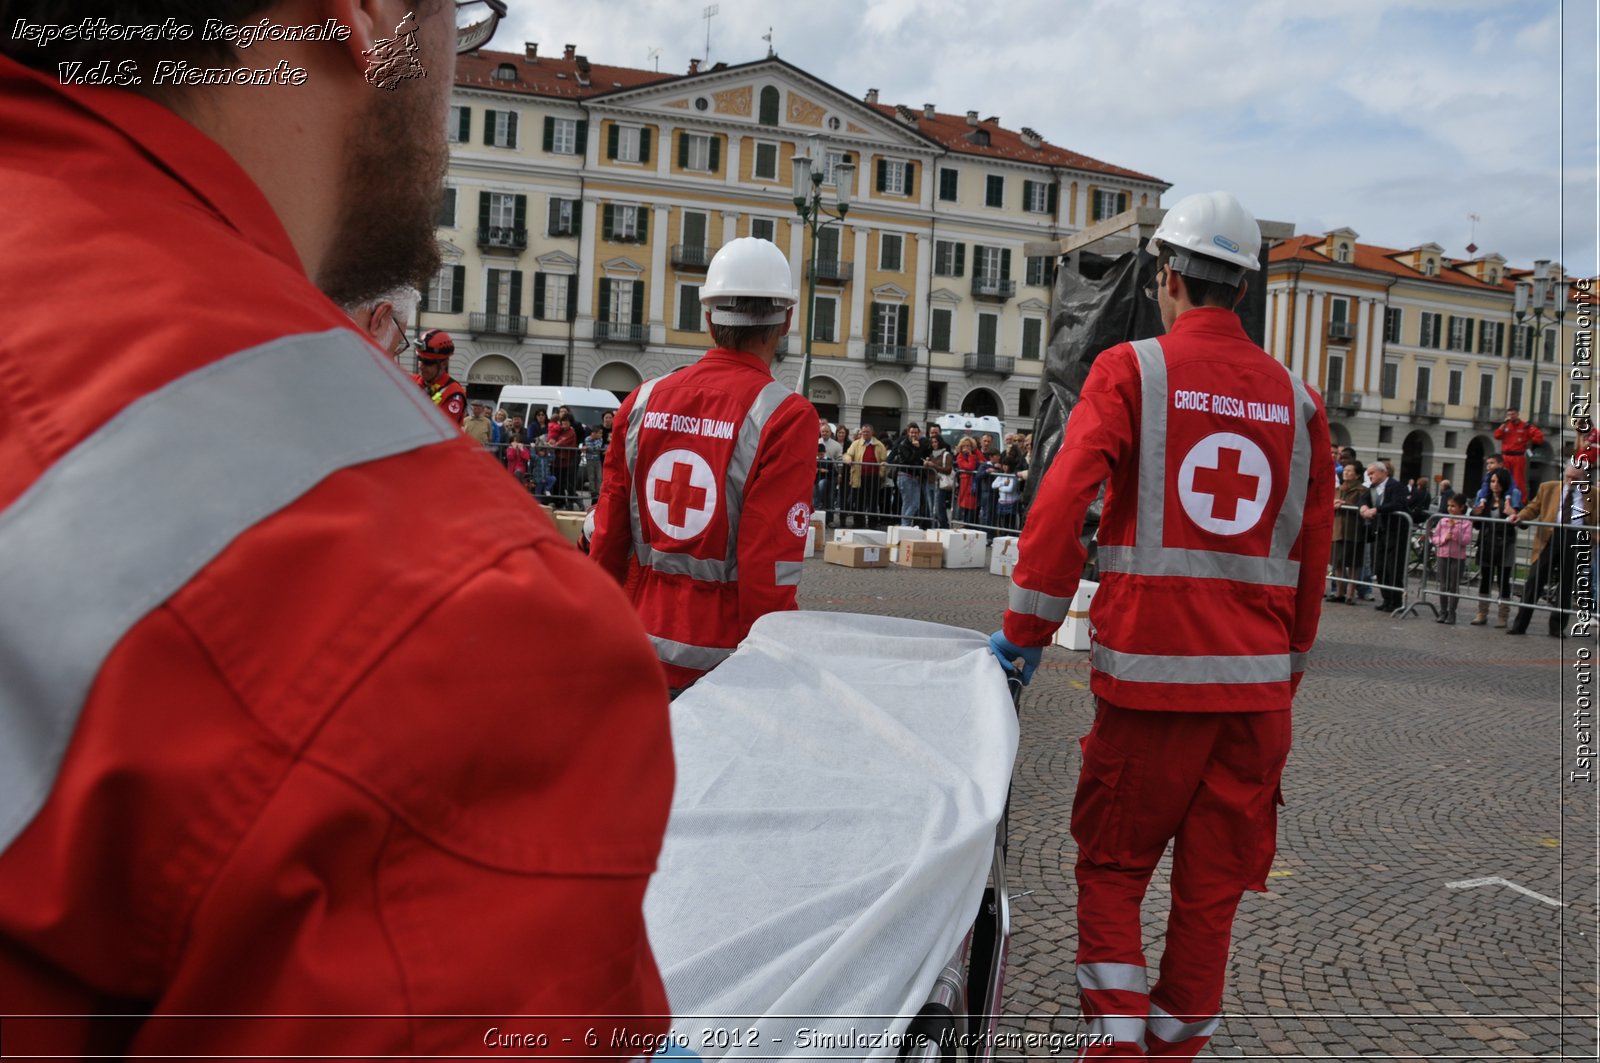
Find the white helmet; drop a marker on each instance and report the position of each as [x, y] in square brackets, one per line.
[748, 267]
[1212, 236]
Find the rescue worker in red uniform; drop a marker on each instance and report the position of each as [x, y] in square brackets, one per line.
[433, 374]
[1213, 548]
[242, 785]
[1517, 437]
[705, 509]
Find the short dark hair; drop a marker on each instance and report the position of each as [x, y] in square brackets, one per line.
[743, 337]
[1202, 292]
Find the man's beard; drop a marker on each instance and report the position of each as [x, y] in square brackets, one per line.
[393, 179]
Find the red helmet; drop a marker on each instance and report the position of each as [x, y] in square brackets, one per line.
[435, 346]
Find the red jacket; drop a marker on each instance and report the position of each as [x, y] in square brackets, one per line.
[1517, 437]
[446, 393]
[261, 752]
[1215, 534]
[710, 499]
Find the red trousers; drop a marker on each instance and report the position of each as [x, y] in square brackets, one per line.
[1518, 464]
[1207, 782]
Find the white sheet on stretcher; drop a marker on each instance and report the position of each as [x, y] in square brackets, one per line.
[839, 782]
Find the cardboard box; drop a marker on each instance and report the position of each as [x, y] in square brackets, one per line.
[856, 555]
[1074, 634]
[915, 553]
[819, 531]
[962, 548]
[861, 536]
[570, 525]
[902, 533]
[549, 511]
[1003, 555]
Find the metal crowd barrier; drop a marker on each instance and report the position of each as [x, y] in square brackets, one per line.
[556, 476]
[1399, 559]
[1523, 593]
[910, 494]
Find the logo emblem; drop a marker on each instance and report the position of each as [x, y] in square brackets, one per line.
[1225, 243]
[680, 493]
[1224, 483]
[799, 519]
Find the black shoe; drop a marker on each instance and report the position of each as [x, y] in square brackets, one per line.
[1514, 631]
[1442, 619]
[1451, 621]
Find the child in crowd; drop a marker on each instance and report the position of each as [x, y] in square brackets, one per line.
[541, 472]
[1450, 539]
[517, 458]
[1006, 492]
[594, 456]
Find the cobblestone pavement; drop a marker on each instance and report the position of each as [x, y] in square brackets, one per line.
[1423, 755]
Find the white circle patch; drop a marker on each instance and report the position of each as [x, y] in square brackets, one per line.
[1224, 483]
[800, 520]
[681, 493]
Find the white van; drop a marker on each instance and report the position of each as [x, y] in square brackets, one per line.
[955, 425]
[588, 405]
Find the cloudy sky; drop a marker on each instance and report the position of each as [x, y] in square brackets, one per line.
[1397, 118]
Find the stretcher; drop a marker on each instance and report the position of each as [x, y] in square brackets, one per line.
[832, 884]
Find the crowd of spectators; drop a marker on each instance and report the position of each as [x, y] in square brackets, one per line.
[558, 459]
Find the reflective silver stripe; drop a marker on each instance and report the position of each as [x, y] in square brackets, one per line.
[1171, 1030]
[700, 658]
[1159, 668]
[1152, 443]
[641, 403]
[744, 456]
[1297, 662]
[1128, 977]
[710, 569]
[151, 498]
[1290, 517]
[787, 573]
[1199, 564]
[1126, 1029]
[1037, 603]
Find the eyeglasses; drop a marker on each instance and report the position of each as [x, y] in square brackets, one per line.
[1150, 289]
[405, 341]
[476, 21]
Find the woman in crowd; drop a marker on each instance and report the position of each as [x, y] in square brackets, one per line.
[1349, 534]
[1497, 546]
[967, 462]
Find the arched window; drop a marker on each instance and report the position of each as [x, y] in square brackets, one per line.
[769, 106]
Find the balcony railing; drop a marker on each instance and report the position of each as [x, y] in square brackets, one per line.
[832, 270]
[1340, 330]
[514, 325]
[635, 332]
[1343, 400]
[992, 288]
[988, 363]
[692, 256]
[891, 354]
[503, 236]
[1548, 422]
[1488, 416]
[1427, 410]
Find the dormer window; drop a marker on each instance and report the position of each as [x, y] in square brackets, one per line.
[505, 72]
[1430, 267]
[1343, 253]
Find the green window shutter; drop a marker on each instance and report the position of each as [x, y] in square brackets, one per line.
[961, 260]
[883, 174]
[549, 133]
[538, 295]
[553, 217]
[603, 312]
[458, 276]
[1051, 198]
[1005, 264]
[683, 151]
[491, 298]
[1468, 336]
[1500, 339]
[644, 225]
[644, 145]
[1027, 194]
[519, 218]
[572, 298]
[516, 293]
[608, 221]
[877, 327]
[1122, 202]
[580, 141]
[716, 154]
[940, 338]
[911, 178]
[612, 133]
[905, 326]
[511, 129]
[825, 323]
[488, 127]
[464, 131]
[638, 302]
[483, 210]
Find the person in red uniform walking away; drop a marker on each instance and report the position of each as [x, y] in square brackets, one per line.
[243, 800]
[433, 374]
[706, 506]
[1517, 437]
[1213, 548]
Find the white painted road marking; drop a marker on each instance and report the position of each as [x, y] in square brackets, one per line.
[1470, 883]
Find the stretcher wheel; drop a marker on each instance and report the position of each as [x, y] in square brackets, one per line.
[933, 1028]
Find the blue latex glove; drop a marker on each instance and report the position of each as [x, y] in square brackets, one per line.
[1005, 652]
[676, 1051]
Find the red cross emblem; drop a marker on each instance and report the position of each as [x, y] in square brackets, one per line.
[1226, 485]
[680, 494]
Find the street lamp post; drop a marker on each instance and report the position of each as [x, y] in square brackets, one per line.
[808, 204]
[1538, 292]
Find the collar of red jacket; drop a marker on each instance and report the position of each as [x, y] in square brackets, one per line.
[729, 356]
[1212, 319]
[193, 159]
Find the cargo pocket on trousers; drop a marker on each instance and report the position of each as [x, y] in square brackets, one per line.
[1263, 844]
[1097, 807]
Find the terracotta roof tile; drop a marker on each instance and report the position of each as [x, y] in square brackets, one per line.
[550, 76]
[1383, 260]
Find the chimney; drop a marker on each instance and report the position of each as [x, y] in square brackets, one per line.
[694, 66]
[972, 117]
[872, 95]
[1031, 138]
[993, 119]
[583, 70]
[928, 112]
[905, 114]
[569, 51]
[530, 51]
